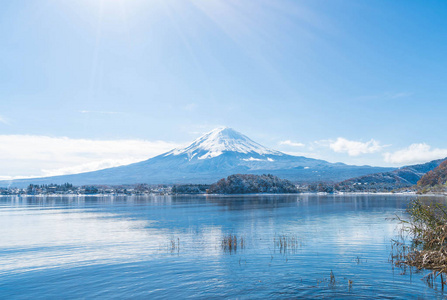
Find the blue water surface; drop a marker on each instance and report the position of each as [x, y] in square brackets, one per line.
[159, 247]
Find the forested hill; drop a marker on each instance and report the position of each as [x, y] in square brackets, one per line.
[251, 184]
[436, 177]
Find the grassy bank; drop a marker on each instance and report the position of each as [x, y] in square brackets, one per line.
[427, 232]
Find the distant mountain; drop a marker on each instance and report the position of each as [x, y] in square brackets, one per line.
[403, 177]
[215, 155]
[437, 176]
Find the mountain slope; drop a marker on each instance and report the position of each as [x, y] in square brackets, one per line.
[403, 177]
[217, 154]
[437, 176]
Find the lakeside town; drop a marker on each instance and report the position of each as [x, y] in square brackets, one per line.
[69, 189]
[192, 189]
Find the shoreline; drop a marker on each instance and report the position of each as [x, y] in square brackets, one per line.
[228, 195]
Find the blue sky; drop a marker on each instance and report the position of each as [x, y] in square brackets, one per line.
[362, 82]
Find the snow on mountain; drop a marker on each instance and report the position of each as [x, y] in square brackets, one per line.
[219, 141]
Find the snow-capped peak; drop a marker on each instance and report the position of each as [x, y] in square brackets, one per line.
[220, 140]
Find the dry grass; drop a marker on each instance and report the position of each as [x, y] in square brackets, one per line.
[427, 231]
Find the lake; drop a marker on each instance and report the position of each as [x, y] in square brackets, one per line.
[158, 247]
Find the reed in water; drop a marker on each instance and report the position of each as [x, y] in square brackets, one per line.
[232, 242]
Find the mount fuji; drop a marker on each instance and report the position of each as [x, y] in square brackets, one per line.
[217, 154]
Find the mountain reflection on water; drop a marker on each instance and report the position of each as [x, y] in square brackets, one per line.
[165, 246]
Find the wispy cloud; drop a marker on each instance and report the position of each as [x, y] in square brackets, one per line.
[355, 148]
[17, 177]
[386, 96]
[3, 120]
[30, 155]
[190, 107]
[100, 112]
[290, 143]
[398, 95]
[200, 129]
[305, 154]
[90, 166]
[415, 153]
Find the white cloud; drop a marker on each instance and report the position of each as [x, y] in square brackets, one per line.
[91, 166]
[415, 153]
[355, 148]
[31, 156]
[290, 143]
[15, 177]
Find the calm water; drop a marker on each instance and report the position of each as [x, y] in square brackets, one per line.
[121, 247]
